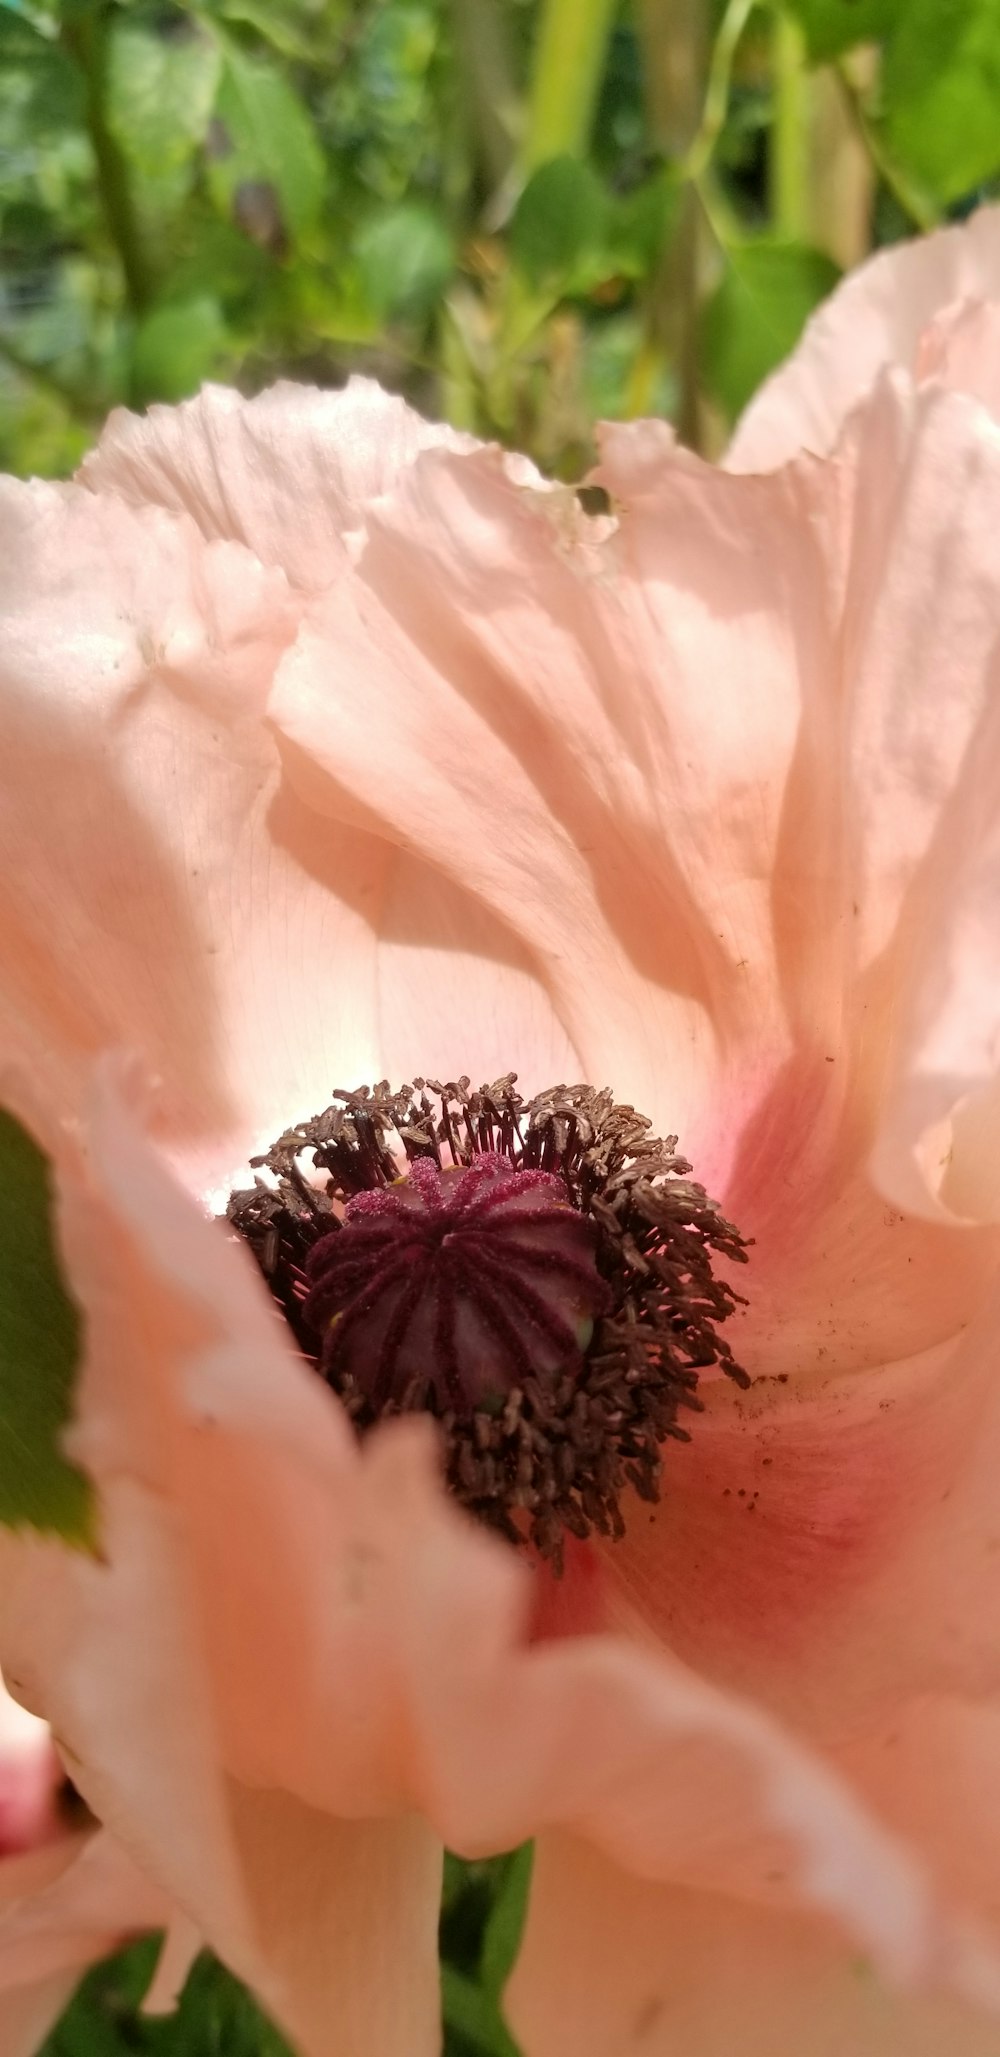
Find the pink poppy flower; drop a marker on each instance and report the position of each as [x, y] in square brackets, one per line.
[67, 1894]
[336, 748]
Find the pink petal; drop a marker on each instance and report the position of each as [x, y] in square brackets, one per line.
[349, 1910]
[874, 319]
[286, 474]
[700, 766]
[159, 1686]
[162, 884]
[30, 1777]
[539, 731]
[27, 2015]
[61, 1908]
[932, 1769]
[960, 348]
[276, 1611]
[65, 1906]
[826, 1543]
[613, 1964]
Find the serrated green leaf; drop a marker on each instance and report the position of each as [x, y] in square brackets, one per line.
[266, 139]
[941, 88]
[40, 1346]
[559, 218]
[756, 315]
[833, 26]
[160, 93]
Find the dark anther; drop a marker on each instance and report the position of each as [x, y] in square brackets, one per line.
[535, 1273]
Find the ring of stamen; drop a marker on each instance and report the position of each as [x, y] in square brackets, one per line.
[536, 1273]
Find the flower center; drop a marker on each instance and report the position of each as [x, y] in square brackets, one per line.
[454, 1285]
[537, 1274]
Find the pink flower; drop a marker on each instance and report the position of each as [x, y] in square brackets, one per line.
[67, 1894]
[336, 747]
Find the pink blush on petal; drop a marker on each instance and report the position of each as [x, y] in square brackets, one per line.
[573, 1605]
[784, 1514]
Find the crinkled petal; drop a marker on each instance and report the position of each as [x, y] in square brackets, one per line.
[704, 768]
[563, 734]
[961, 348]
[286, 473]
[163, 886]
[874, 319]
[318, 1621]
[613, 1964]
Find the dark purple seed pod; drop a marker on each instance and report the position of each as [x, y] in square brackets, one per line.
[460, 1282]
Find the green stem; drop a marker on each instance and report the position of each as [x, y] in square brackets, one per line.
[789, 163]
[573, 37]
[86, 40]
[484, 54]
[678, 50]
[716, 107]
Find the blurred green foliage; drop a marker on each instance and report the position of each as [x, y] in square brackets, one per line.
[523, 214]
[39, 1353]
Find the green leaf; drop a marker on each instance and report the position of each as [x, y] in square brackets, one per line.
[216, 2012]
[941, 87]
[471, 2014]
[40, 1346]
[641, 223]
[215, 2017]
[405, 257]
[37, 18]
[266, 139]
[502, 1937]
[756, 315]
[832, 26]
[176, 347]
[559, 219]
[160, 93]
[275, 21]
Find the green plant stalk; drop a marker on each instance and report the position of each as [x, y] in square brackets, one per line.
[788, 166]
[716, 106]
[86, 40]
[568, 64]
[678, 52]
[482, 43]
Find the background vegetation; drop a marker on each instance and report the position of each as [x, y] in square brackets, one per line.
[524, 214]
